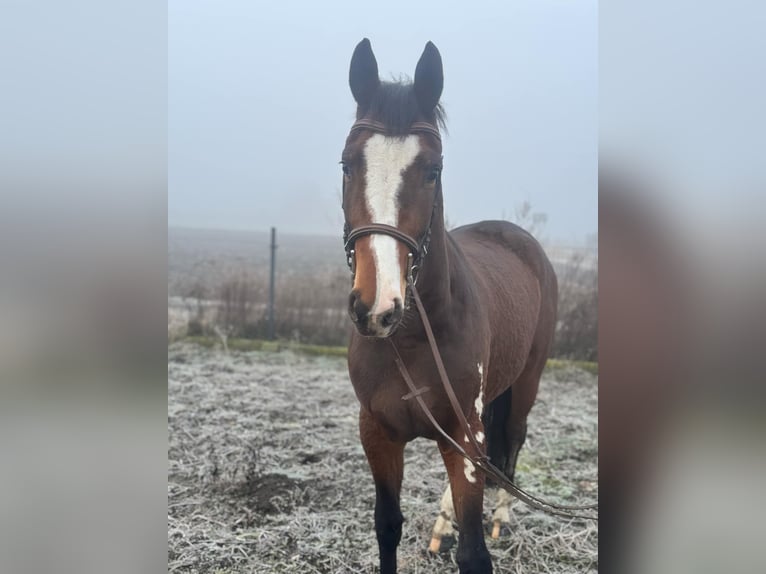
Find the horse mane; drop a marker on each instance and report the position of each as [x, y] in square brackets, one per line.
[395, 105]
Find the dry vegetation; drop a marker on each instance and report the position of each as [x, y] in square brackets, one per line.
[577, 328]
[266, 473]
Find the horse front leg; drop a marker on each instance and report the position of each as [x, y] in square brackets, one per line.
[386, 459]
[467, 484]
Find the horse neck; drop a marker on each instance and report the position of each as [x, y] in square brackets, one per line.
[437, 280]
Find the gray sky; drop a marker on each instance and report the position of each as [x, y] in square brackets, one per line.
[259, 107]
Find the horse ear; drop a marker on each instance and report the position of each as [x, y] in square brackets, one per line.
[429, 78]
[363, 73]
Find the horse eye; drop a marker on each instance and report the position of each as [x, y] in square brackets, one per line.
[433, 175]
[346, 170]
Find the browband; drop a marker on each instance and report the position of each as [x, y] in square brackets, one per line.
[416, 127]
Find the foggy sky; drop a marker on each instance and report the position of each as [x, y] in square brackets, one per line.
[259, 108]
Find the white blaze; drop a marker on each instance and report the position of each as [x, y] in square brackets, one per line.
[386, 159]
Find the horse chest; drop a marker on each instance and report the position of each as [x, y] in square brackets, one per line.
[381, 393]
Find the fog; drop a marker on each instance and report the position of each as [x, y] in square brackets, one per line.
[259, 107]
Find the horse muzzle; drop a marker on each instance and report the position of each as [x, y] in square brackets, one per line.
[381, 323]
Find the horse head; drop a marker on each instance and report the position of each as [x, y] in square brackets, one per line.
[392, 164]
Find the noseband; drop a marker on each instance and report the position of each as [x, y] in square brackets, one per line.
[417, 253]
[418, 249]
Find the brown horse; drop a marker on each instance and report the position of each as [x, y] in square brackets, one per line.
[488, 288]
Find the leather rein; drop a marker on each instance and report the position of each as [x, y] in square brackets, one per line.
[481, 461]
[418, 251]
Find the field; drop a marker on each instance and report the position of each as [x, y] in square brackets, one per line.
[266, 473]
[209, 256]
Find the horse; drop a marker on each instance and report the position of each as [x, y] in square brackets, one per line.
[488, 289]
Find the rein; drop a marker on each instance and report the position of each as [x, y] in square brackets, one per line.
[482, 461]
[418, 251]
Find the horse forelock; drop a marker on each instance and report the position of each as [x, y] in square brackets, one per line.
[395, 105]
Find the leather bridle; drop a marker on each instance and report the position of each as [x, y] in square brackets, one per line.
[418, 250]
[381, 128]
[415, 257]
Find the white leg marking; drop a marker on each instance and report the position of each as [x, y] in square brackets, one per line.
[447, 514]
[469, 471]
[502, 512]
[386, 160]
[443, 525]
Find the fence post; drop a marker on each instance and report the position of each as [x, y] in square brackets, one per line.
[271, 282]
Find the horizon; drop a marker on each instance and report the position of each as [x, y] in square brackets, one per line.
[583, 244]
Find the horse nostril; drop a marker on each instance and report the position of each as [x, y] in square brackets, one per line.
[357, 310]
[392, 316]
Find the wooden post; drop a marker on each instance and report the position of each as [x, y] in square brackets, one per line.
[271, 282]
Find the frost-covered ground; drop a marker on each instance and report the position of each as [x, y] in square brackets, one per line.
[266, 473]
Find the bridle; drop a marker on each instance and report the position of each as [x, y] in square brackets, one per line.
[418, 250]
[415, 257]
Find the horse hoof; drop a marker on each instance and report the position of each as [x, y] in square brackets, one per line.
[442, 544]
[496, 529]
[436, 543]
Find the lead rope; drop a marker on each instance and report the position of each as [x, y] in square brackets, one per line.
[482, 462]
